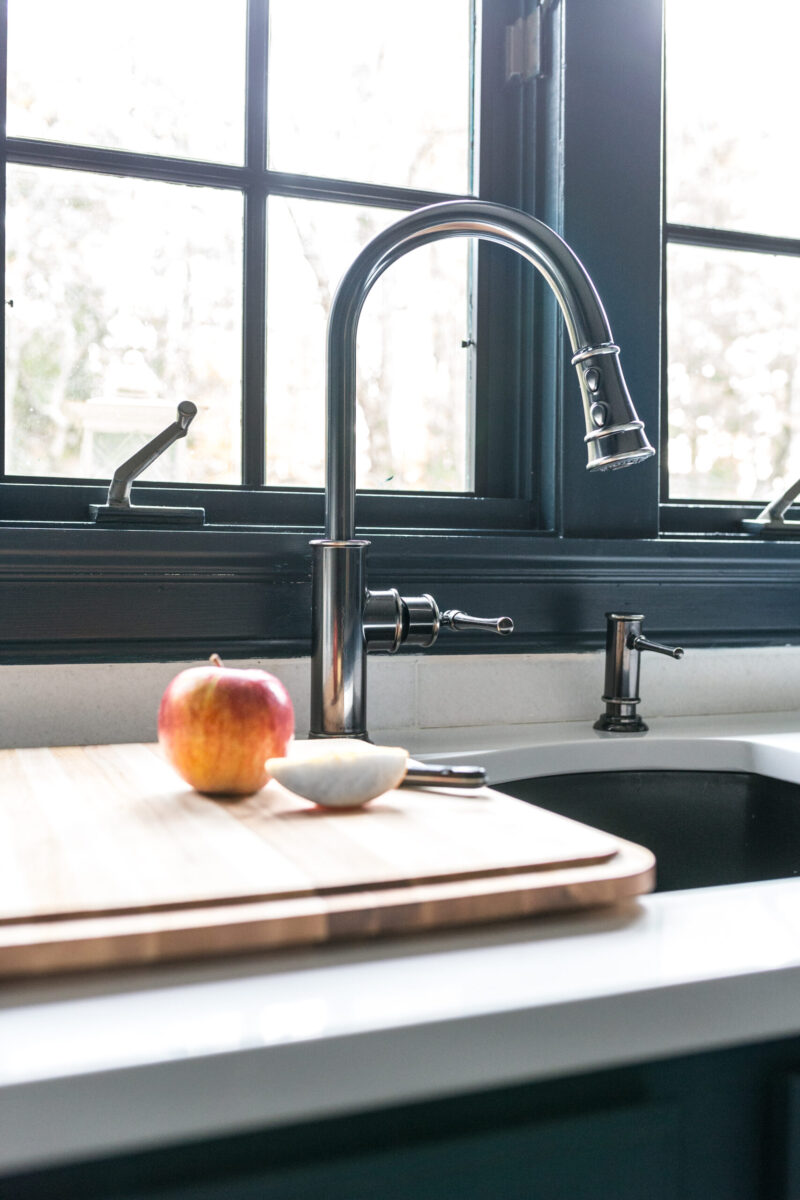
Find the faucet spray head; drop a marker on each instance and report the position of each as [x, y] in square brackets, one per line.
[615, 436]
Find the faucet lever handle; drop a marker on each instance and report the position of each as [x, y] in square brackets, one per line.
[455, 619]
[642, 643]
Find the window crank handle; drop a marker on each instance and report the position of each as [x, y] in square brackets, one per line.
[119, 493]
[454, 619]
[119, 509]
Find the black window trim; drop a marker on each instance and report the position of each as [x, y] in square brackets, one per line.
[556, 557]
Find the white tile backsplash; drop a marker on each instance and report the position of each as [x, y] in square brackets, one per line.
[392, 691]
[507, 689]
[118, 702]
[748, 679]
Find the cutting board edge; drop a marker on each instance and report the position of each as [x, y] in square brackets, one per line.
[147, 939]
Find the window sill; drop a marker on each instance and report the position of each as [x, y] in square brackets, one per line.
[72, 593]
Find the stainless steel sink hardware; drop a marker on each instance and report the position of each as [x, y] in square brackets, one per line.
[118, 509]
[431, 775]
[347, 619]
[392, 620]
[771, 521]
[624, 646]
[454, 619]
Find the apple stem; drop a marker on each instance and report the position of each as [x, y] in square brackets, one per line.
[216, 660]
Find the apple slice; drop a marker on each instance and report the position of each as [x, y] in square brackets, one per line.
[339, 772]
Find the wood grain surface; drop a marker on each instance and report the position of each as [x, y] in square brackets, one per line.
[107, 857]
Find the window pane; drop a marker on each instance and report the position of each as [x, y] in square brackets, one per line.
[369, 91]
[414, 419]
[157, 76]
[734, 373]
[126, 300]
[732, 97]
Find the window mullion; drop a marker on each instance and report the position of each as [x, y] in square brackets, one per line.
[254, 313]
[131, 164]
[254, 419]
[499, 289]
[612, 220]
[732, 239]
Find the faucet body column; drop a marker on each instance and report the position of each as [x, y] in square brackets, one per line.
[348, 620]
[338, 644]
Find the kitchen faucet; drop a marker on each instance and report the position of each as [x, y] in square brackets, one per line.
[347, 618]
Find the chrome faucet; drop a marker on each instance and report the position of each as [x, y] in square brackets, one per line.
[347, 619]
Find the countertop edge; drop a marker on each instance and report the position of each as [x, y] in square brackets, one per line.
[121, 1111]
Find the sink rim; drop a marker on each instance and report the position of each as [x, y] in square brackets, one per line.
[760, 744]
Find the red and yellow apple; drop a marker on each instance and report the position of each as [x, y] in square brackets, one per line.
[218, 725]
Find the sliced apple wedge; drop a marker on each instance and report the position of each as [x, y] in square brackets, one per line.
[339, 772]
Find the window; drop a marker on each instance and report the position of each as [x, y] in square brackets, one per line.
[733, 257]
[149, 177]
[194, 234]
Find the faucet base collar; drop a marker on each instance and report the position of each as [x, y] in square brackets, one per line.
[610, 723]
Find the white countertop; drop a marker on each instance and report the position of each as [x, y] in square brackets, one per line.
[98, 1065]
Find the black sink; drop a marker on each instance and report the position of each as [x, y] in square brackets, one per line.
[704, 827]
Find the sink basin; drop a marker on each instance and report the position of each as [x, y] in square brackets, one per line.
[704, 827]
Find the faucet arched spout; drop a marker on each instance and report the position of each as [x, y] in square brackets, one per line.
[614, 434]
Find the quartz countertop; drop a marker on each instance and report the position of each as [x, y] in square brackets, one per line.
[97, 1065]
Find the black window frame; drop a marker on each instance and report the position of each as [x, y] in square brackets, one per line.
[581, 147]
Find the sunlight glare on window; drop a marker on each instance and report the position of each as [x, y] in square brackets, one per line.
[157, 76]
[733, 93]
[372, 91]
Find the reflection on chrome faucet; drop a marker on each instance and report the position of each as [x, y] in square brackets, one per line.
[347, 619]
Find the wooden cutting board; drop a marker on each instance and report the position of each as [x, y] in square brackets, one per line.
[107, 857]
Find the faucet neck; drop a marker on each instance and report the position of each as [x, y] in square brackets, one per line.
[586, 321]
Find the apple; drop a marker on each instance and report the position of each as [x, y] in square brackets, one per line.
[218, 725]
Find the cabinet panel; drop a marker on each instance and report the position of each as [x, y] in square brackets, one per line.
[621, 1154]
[792, 1135]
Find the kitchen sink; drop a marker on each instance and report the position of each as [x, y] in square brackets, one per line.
[704, 827]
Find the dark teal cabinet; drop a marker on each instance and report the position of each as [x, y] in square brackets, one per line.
[627, 1153]
[792, 1125]
[714, 1126]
